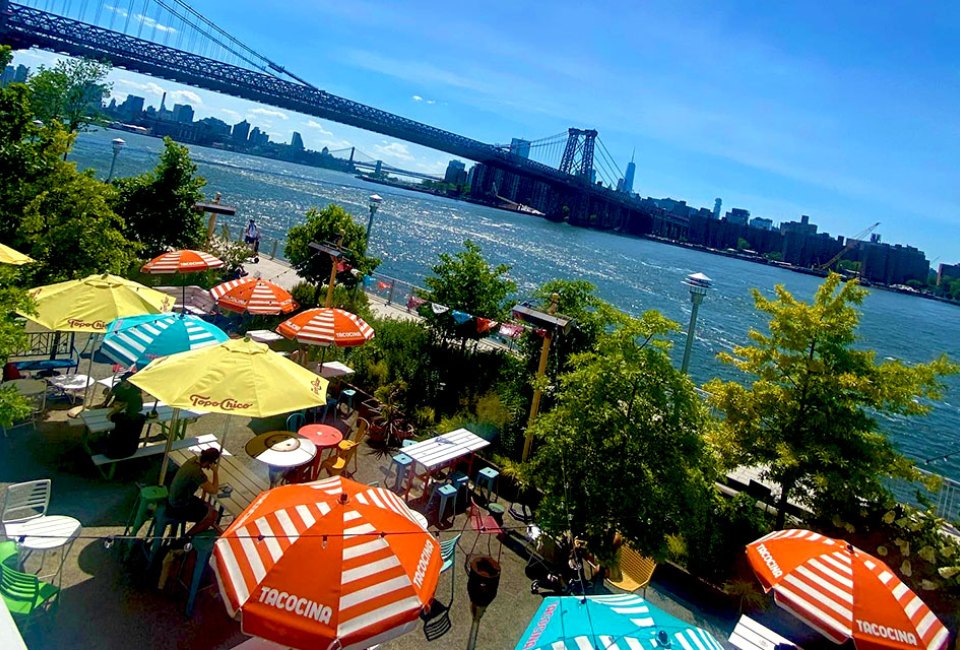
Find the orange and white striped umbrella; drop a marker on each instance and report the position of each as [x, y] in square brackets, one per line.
[843, 592]
[327, 326]
[183, 261]
[328, 564]
[253, 295]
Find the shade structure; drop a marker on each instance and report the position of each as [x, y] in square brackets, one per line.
[182, 261]
[329, 564]
[253, 295]
[327, 326]
[843, 592]
[15, 257]
[237, 377]
[623, 621]
[88, 305]
[138, 340]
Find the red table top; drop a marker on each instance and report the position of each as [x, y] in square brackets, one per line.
[322, 435]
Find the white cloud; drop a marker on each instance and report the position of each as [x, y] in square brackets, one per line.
[394, 151]
[153, 24]
[187, 96]
[147, 87]
[417, 98]
[268, 112]
[227, 112]
[313, 124]
[431, 101]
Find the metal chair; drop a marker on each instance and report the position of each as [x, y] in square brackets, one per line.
[295, 421]
[448, 553]
[483, 525]
[25, 502]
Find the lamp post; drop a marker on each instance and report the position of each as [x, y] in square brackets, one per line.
[118, 144]
[699, 284]
[375, 201]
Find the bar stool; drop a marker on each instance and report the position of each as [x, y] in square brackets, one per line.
[403, 464]
[486, 483]
[347, 396]
[149, 497]
[460, 481]
[203, 544]
[407, 442]
[331, 402]
[158, 528]
[445, 492]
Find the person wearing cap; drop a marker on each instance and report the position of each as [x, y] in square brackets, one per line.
[252, 236]
[183, 504]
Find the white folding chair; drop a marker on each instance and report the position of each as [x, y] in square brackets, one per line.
[24, 502]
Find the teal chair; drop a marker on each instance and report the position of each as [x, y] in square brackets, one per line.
[25, 594]
[448, 551]
[295, 421]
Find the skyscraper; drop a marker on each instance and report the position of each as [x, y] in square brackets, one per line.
[716, 209]
[241, 130]
[296, 141]
[627, 187]
[21, 75]
[183, 113]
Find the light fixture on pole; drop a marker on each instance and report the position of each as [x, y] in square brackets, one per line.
[118, 144]
[375, 201]
[699, 284]
[336, 254]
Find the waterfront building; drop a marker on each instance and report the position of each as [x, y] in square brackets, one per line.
[20, 76]
[738, 216]
[947, 272]
[241, 131]
[761, 223]
[131, 107]
[258, 138]
[456, 173]
[296, 141]
[520, 147]
[716, 208]
[183, 113]
[886, 264]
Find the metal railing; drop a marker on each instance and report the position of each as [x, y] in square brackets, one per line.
[46, 344]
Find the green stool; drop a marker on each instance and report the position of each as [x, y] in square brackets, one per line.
[203, 545]
[486, 483]
[148, 499]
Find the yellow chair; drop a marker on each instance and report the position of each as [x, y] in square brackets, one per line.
[633, 571]
[358, 434]
[346, 451]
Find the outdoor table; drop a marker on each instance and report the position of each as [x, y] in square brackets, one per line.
[444, 450]
[31, 388]
[98, 420]
[281, 450]
[323, 436]
[244, 484]
[334, 369]
[264, 336]
[71, 385]
[47, 533]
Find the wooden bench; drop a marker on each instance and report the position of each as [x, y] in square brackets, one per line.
[750, 635]
[146, 450]
[233, 472]
[635, 571]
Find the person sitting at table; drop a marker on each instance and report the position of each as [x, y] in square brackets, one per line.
[126, 402]
[183, 503]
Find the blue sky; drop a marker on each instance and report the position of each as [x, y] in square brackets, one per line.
[846, 112]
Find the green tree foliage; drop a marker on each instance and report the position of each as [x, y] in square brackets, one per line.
[622, 450]
[13, 406]
[467, 282]
[809, 414]
[70, 92]
[330, 224]
[157, 206]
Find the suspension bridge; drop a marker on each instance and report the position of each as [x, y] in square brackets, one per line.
[567, 176]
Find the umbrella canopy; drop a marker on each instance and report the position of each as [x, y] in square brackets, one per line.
[238, 377]
[843, 592]
[88, 305]
[327, 326]
[327, 564]
[182, 261]
[138, 340]
[15, 257]
[253, 295]
[608, 622]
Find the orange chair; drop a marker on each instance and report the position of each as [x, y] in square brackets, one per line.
[346, 451]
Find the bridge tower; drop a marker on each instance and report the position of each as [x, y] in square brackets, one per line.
[578, 155]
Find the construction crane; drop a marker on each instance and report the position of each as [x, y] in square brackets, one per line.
[852, 242]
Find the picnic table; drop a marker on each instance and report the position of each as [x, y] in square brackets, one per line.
[246, 485]
[98, 420]
[444, 450]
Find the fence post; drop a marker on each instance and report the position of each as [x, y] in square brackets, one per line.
[273, 249]
[393, 283]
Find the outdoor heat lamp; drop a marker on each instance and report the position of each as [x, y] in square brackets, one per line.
[542, 320]
[326, 247]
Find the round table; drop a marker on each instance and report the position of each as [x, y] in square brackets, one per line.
[47, 533]
[323, 436]
[280, 450]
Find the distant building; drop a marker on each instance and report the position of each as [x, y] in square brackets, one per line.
[888, 264]
[183, 113]
[456, 173]
[296, 141]
[761, 223]
[131, 107]
[627, 187]
[948, 272]
[737, 216]
[241, 131]
[20, 76]
[258, 138]
[716, 209]
[7, 78]
[520, 147]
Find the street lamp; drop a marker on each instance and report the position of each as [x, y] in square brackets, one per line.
[118, 145]
[698, 283]
[375, 201]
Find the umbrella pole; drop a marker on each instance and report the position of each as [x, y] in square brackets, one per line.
[86, 390]
[174, 423]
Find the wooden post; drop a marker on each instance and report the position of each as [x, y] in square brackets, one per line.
[212, 222]
[541, 371]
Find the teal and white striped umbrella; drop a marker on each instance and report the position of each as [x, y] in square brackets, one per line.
[616, 622]
[138, 340]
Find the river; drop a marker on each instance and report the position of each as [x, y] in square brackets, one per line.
[412, 229]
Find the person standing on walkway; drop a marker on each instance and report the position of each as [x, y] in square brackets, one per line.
[251, 236]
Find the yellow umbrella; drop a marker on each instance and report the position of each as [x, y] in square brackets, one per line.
[10, 256]
[88, 305]
[236, 377]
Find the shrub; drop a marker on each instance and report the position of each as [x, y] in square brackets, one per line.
[730, 524]
[305, 294]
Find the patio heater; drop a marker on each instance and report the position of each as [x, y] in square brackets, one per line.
[336, 254]
[483, 580]
[551, 324]
[118, 145]
[699, 284]
[214, 208]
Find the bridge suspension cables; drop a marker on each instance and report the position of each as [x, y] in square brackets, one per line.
[173, 23]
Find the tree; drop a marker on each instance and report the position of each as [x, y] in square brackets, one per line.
[742, 244]
[331, 224]
[810, 414]
[622, 450]
[70, 92]
[13, 405]
[157, 207]
[466, 282]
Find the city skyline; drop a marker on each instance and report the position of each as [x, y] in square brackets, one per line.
[781, 111]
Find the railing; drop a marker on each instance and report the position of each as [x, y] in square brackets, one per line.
[945, 500]
[393, 291]
[45, 344]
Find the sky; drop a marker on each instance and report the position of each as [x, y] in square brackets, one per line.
[845, 111]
